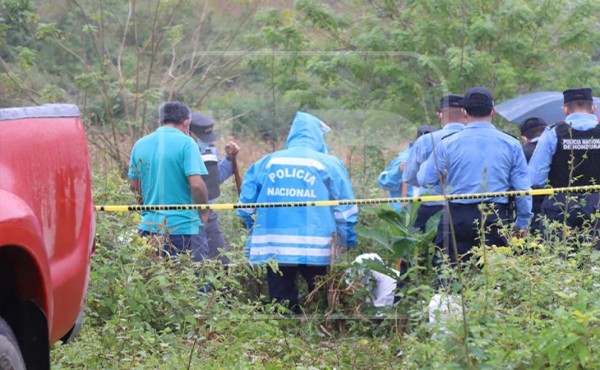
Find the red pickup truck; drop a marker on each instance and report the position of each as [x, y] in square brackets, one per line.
[47, 229]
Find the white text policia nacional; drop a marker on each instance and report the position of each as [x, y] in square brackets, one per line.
[297, 173]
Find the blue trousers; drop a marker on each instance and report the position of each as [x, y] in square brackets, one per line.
[172, 245]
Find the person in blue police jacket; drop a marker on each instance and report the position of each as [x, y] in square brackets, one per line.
[298, 238]
[568, 155]
[477, 159]
[391, 178]
[219, 170]
[452, 120]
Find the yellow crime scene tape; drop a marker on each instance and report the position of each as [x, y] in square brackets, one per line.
[328, 203]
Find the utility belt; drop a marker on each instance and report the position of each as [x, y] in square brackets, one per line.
[495, 205]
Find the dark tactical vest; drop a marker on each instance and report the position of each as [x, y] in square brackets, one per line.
[211, 161]
[585, 148]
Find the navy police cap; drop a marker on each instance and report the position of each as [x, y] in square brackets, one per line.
[531, 123]
[478, 97]
[582, 93]
[202, 126]
[451, 101]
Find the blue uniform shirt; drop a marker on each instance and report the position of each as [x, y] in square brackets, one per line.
[391, 178]
[421, 150]
[162, 161]
[539, 165]
[481, 159]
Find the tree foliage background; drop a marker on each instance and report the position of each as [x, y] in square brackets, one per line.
[371, 69]
[254, 63]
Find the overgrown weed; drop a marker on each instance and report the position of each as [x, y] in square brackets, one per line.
[533, 304]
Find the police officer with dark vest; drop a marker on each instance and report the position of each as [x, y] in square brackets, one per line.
[219, 170]
[477, 159]
[531, 130]
[568, 155]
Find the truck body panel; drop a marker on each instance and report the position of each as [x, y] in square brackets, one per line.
[47, 217]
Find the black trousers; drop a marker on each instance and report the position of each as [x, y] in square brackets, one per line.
[282, 284]
[466, 230]
[424, 213]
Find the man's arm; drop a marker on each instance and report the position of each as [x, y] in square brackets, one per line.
[414, 161]
[539, 164]
[199, 194]
[136, 188]
[391, 178]
[430, 171]
[520, 181]
[226, 164]
[346, 216]
[250, 191]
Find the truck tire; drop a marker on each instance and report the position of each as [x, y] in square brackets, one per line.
[10, 354]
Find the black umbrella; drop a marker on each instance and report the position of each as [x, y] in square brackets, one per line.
[545, 104]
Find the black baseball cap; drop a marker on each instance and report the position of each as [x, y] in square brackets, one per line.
[478, 97]
[531, 123]
[202, 126]
[451, 101]
[582, 93]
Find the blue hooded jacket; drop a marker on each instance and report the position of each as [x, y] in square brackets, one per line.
[301, 172]
[391, 178]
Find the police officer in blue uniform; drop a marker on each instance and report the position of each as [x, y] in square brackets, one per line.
[477, 159]
[391, 180]
[452, 120]
[219, 170]
[568, 155]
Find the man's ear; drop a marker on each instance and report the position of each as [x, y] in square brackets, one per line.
[493, 112]
[565, 110]
[439, 115]
[186, 126]
[593, 108]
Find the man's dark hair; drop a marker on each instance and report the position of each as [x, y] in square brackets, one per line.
[478, 111]
[579, 105]
[174, 112]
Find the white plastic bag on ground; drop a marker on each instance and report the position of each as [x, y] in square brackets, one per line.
[443, 309]
[383, 292]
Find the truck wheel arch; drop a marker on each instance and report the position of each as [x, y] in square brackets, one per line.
[21, 310]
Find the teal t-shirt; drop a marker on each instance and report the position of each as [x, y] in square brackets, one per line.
[162, 161]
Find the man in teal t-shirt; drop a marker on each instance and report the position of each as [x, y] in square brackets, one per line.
[166, 168]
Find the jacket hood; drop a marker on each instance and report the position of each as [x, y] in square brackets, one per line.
[307, 131]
